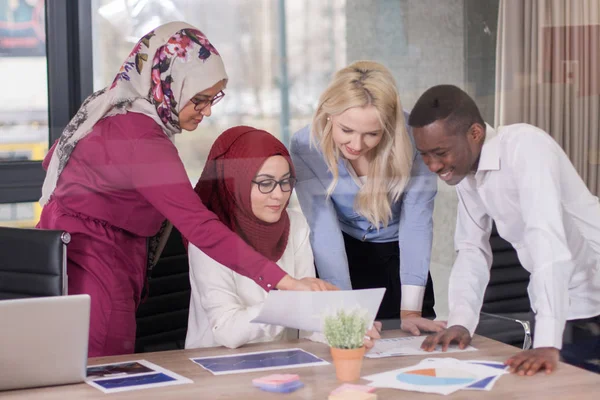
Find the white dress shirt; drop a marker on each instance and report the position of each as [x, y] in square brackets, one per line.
[224, 302]
[527, 185]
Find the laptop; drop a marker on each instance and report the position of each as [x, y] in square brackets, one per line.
[43, 341]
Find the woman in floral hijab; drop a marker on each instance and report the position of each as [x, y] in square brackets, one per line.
[114, 176]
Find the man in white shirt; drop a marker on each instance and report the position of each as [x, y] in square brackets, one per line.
[520, 178]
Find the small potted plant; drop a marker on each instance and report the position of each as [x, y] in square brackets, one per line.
[345, 332]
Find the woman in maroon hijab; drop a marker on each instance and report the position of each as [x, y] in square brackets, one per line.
[247, 182]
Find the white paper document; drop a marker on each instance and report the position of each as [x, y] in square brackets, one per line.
[407, 346]
[307, 310]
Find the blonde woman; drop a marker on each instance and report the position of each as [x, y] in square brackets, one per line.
[367, 195]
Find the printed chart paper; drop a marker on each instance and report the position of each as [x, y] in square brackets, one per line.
[486, 383]
[307, 310]
[131, 375]
[439, 375]
[258, 361]
[407, 346]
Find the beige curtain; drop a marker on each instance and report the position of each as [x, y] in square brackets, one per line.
[548, 75]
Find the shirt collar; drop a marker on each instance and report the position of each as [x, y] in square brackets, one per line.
[489, 160]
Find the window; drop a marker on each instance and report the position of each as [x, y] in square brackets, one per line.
[20, 215]
[24, 105]
[322, 36]
[409, 37]
[246, 33]
[44, 47]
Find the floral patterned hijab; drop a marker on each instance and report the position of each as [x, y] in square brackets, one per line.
[165, 69]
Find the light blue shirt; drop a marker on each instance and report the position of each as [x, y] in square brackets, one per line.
[411, 223]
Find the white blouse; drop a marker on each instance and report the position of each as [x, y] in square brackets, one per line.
[224, 302]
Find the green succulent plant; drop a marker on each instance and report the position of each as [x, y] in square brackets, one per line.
[346, 330]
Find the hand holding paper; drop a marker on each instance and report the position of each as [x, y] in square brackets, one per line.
[308, 284]
[373, 334]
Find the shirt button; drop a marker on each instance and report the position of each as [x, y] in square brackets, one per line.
[260, 278]
[268, 285]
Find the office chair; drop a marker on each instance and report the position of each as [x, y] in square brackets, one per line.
[506, 314]
[162, 319]
[33, 263]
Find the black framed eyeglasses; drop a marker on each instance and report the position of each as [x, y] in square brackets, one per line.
[266, 186]
[201, 104]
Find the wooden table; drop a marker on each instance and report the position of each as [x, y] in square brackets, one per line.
[566, 383]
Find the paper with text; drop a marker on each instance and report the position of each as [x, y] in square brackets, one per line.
[407, 346]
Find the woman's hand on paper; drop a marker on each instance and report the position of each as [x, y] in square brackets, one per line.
[413, 323]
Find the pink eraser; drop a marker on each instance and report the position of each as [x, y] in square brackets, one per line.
[276, 379]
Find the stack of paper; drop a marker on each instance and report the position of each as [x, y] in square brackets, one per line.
[441, 375]
[407, 346]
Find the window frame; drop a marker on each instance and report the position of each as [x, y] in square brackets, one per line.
[70, 81]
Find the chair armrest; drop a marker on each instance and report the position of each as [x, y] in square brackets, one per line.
[525, 324]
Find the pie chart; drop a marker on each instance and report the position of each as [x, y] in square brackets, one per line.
[436, 377]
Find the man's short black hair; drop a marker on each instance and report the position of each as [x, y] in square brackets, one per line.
[449, 103]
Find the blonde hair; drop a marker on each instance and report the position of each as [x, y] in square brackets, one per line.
[367, 83]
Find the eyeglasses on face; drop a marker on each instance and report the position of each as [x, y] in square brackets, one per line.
[266, 186]
[201, 104]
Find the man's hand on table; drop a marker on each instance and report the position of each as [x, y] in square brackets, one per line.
[455, 334]
[529, 362]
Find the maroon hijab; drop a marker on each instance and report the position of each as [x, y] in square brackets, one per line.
[226, 181]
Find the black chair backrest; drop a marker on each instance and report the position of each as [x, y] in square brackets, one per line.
[506, 296]
[162, 319]
[32, 263]
[507, 291]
